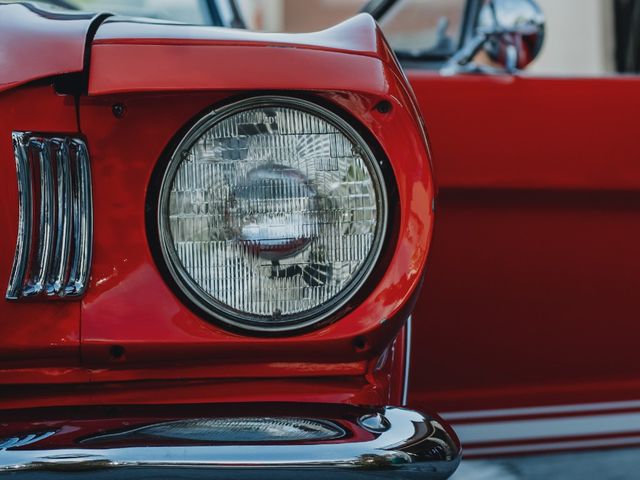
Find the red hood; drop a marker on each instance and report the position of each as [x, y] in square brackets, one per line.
[157, 56]
[357, 35]
[36, 44]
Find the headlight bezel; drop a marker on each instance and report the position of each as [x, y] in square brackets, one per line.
[357, 288]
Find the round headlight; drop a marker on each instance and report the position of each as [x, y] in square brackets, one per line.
[272, 213]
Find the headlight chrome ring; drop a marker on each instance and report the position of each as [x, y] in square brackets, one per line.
[272, 214]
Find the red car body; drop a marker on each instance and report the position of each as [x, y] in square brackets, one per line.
[125, 283]
[531, 286]
[129, 88]
[523, 303]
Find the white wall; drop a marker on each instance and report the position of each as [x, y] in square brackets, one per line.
[580, 38]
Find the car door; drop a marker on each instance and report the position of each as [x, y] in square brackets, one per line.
[525, 331]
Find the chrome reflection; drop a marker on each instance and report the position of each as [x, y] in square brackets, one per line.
[409, 446]
[63, 221]
[511, 33]
[25, 217]
[54, 200]
[232, 430]
[47, 215]
[22, 441]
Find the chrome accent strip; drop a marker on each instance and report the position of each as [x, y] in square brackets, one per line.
[64, 215]
[42, 261]
[574, 427]
[15, 442]
[414, 446]
[83, 220]
[58, 261]
[25, 218]
[547, 447]
[546, 410]
[407, 362]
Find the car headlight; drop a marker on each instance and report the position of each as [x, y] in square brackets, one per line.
[272, 213]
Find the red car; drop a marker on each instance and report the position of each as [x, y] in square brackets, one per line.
[237, 254]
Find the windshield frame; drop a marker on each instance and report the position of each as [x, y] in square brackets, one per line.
[378, 9]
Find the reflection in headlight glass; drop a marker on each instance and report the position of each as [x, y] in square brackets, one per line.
[274, 211]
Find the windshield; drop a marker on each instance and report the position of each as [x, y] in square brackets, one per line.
[419, 27]
[186, 11]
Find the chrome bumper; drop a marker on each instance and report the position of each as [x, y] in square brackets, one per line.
[352, 442]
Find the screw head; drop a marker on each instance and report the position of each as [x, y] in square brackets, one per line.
[384, 106]
[117, 352]
[119, 110]
[374, 423]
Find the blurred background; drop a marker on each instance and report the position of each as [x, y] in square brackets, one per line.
[580, 33]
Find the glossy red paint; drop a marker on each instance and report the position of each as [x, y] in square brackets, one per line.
[32, 333]
[349, 57]
[346, 390]
[126, 284]
[31, 44]
[577, 134]
[531, 293]
[129, 304]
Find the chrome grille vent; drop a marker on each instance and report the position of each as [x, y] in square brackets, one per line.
[55, 224]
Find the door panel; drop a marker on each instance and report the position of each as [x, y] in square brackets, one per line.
[532, 293]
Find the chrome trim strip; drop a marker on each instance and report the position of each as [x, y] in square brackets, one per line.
[543, 410]
[407, 362]
[413, 446]
[25, 218]
[83, 220]
[64, 215]
[548, 428]
[221, 429]
[58, 261]
[15, 442]
[47, 217]
[548, 447]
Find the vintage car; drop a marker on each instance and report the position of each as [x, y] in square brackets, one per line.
[234, 254]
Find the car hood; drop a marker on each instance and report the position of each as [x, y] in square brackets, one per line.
[157, 56]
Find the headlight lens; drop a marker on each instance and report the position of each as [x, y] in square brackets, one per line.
[272, 213]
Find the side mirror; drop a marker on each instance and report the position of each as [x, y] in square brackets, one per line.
[515, 31]
[511, 32]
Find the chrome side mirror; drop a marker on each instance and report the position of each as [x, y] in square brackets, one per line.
[515, 31]
[510, 32]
